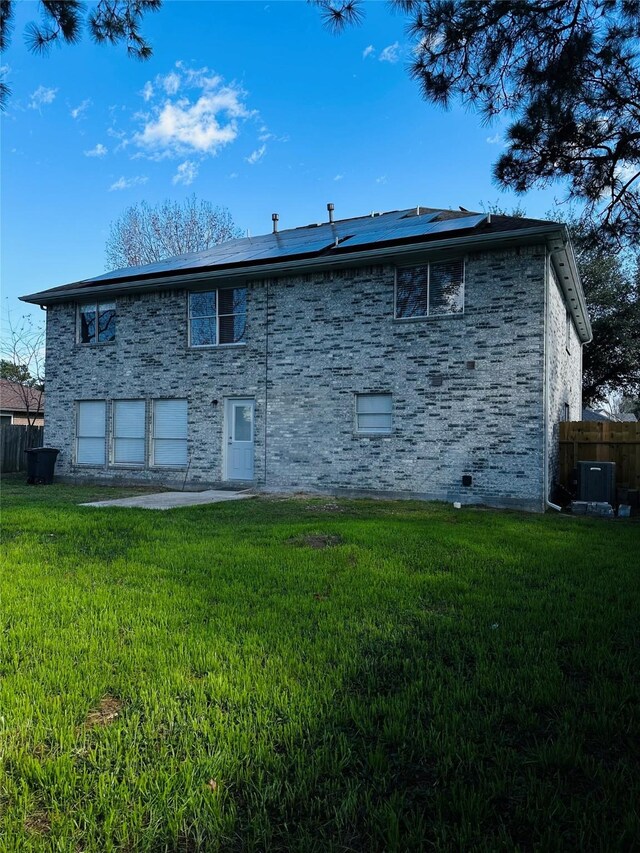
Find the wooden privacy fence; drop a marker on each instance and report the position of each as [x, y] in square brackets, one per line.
[14, 440]
[601, 441]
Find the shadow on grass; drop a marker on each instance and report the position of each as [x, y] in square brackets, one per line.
[424, 679]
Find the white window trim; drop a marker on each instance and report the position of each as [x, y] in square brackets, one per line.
[217, 316]
[429, 316]
[372, 433]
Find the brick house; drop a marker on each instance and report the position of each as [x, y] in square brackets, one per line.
[414, 353]
[21, 405]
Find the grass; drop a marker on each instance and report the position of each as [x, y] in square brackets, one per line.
[314, 675]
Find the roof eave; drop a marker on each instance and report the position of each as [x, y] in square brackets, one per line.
[470, 241]
[566, 269]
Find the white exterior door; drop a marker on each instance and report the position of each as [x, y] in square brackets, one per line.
[239, 439]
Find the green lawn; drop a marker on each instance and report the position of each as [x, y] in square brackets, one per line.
[315, 675]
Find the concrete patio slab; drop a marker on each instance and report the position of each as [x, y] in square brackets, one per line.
[171, 500]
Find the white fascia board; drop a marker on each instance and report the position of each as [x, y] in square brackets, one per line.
[566, 270]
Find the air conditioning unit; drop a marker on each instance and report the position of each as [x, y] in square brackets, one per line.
[597, 482]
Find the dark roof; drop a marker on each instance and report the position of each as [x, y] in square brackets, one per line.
[14, 397]
[322, 240]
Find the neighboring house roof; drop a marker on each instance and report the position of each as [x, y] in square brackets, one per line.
[14, 397]
[391, 236]
[600, 415]
[595, 415]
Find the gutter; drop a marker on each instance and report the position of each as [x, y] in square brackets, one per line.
[132, 284]
[566, 269]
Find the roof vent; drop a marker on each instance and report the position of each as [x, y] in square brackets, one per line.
[330, 208]
[274, 219]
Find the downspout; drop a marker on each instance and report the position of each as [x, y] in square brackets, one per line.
[266, 381]
[546, 391]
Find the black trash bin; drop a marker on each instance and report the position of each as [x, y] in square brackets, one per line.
[41, 462]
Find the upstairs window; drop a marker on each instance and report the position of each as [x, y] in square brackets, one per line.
[431, 290]
[217, 317]
[97, 322]
[374, 414]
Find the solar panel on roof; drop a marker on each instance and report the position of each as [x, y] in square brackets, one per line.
[303, 241]
[414, 228]
[458, 224]
[301, 248]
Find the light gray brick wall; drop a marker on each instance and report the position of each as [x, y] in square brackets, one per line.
[315, 341]
[564, 371]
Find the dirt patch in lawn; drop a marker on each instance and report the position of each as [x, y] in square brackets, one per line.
[317, 540]
[105, 714]
[38, 823]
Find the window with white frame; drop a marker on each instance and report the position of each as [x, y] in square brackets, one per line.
[91, 432]
[128, 432]
[430, 290]
[170, 433]
[374, 413]
[217, 317]
[97, 322]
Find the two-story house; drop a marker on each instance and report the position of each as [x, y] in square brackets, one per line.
[419, 353]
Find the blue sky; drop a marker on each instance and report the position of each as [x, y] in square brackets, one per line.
[254, 106]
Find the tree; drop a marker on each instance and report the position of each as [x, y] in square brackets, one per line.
[145, 234]
[611, 362]
[566, 73]
[110, 21]
[22, 350]
[13, 372]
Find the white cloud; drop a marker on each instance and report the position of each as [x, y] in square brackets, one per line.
[77, 111]
[267, 136]
[199, 124]
[5, 69]
[232, 175]
[624, 171]
[257, 155]
[338, 177]
[170, 82]
[147, 91]
[381, 180]
[391, 53]
[203, 126]
[496, 139]
[196, 77]
[186, 174]
[368, 51]
[126, 183]
[99, 151]
[41, 96]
